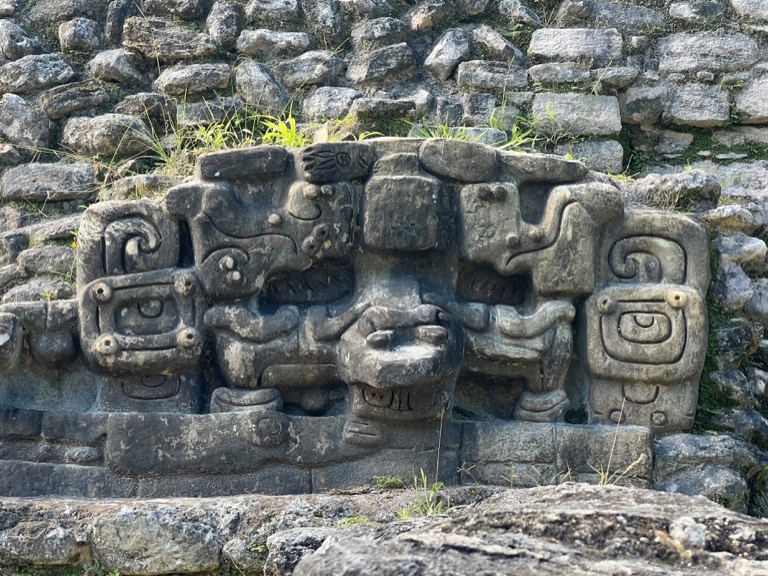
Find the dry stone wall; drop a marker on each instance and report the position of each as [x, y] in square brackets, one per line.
[116, 99]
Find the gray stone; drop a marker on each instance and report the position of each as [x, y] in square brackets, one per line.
[430, 14]
[15, 43]
[559, 73]
[32, 73]
[193, 79]
[44, 12]
[388, 64]
[730, 218]
[741, 135]
[614, 77]
[39, 290]
[375, 109]
[717, 483]
[108, 135]
[141, 186]
[117, 13]
[8, 7]
[643, 104]
[41, 543]
[58, 260]
[735, 385]
[750, 101]
[185, 9]
[713, 51]
[751, 8]
[79, 35]
[750, 425]
[473, 7]
[329, 102]
[323, 18]
[271, 11]
[757, 306]
[478, 108]
[495, 77]
[311, 68]
[48, 182]
[265, 43]
[450, 49]
[208, 112]
[489, 136]
[700, 105]
[697, 11]
[149, 106]
[517, 12]
[628, 19]
[135, 541]
[601, 155]
[61, 101]
[602, 47]
[258, 88]
[732, 288]
[732, 342]
[686, 190]
[223, 23]
[487, 43]
[21, 125]
[377, 33]
[740, 249]
[577, 114]
[116, 65]
[287, 547]
[161, 40]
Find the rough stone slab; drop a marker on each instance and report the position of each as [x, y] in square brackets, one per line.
[601, 155]
[164, 41]
[643, 104]
[14, 42]
[265, 43]
[261, 160]
[390, 63]
[269, 479]
[311, 68]
[509, 442]
[158, 542]
[713, 51]
[696, 12]
[750, 101]
[257, 87]
[27, 479]
[116, 65]
[40, 543]
[58, 260]
[559, 72]
[450, 49]
[598, 45]
[41, 289]
[76, 428]
[378, 32]
[61, 101]
[20, 124]
[193, 79]
[700, 105]
[208, 112]
[107, 135]
[271, 11]
[329, 102]
[751, 8]
[20, 423]
[577, 114]
[495, 77]
[34, 72]
[491, 45]
[37, 182]
[79, 35]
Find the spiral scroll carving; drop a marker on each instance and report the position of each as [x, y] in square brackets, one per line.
[648, 259]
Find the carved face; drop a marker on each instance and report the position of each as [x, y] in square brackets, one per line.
[401, 364]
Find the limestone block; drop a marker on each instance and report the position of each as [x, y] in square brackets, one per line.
[751, 9]
[116, 135]
[224, 22]
[38, 182]
[264, 43]
[79, 34]
[698, 11]
[61, 101]
[601, 155]
[378, 32]
[601, 46]
[272, 11]
[577, 114]
[20, 124]
[487, 42]
[164, 41]
[386, 64]
[700, 105]
[258, 87]
[15, 43]
[750, 102]
[313, 67]
[34, 72]
[329, 102]
[714, 51]
[498, 78]
[193, 79]
[117, 65]
[643, 104]
[450, 49]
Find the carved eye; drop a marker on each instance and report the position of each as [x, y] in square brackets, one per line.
[310, 246]
[101, 292]
[343, 159]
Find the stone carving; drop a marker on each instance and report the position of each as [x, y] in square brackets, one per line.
[365, 302]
